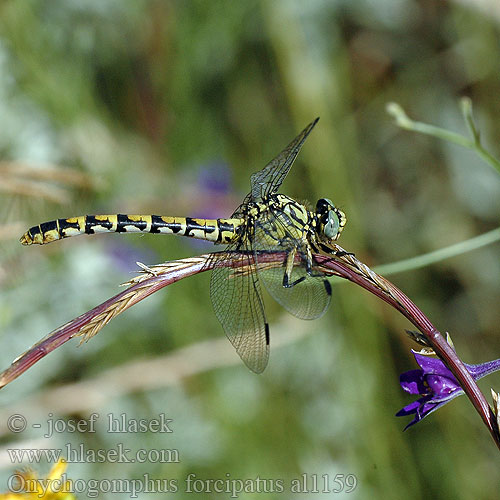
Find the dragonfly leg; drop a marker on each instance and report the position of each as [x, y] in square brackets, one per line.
[287, 276]
[287, 283]
[335, 251]
[342, 253]
[309, 262]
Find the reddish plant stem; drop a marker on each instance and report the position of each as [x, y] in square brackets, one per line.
[441, 347]
[69, 330]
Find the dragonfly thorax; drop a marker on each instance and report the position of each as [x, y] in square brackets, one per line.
[296, 212]
[288, 218]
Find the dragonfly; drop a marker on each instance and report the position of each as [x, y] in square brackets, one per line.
[265, 223]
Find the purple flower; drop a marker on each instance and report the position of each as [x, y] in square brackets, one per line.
[212, 197]
[213, 192]
[436, 384]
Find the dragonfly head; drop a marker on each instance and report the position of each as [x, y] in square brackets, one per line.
[331, 220]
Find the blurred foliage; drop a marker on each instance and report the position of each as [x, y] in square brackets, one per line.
[150, 102]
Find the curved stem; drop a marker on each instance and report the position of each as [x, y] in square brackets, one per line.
[350, 268]
[89, 323]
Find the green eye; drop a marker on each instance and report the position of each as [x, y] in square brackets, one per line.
[332, 226]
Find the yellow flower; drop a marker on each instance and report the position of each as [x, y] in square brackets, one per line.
[28, 487]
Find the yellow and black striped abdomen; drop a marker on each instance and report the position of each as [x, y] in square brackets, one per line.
[216, 230]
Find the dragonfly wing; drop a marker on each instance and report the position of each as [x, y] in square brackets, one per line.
[237, 301]
[310, 296]
[235, 291]
[268, 180]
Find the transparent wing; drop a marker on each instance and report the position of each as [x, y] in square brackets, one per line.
[237, 301]
[268, 180]
[310, 297]
[235, 292]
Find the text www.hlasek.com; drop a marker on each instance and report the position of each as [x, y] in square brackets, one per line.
[80, 454]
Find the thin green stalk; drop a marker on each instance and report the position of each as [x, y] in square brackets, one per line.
[474, 144]
[427, 259]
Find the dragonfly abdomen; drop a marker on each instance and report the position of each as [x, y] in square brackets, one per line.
[216, 230]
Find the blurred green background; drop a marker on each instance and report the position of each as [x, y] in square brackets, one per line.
[168, 107]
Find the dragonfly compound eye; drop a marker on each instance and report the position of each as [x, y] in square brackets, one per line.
[331, 219]
[332, 227]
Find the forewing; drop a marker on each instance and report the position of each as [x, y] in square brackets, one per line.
[268, 180]
[237, 301]
[310, 297]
